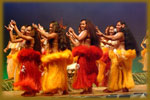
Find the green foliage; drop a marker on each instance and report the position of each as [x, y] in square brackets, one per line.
[7, 85]
[140, 78]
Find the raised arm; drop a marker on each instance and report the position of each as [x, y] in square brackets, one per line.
[98, 31]
[19, 33]
[143, 42]
[104, 42]
[43, 32]
[12, 39]
[117, 36]
[75, 43]
[81, 37]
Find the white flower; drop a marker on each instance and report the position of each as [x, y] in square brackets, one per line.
[78, 66]
[42, 73]
[23, 69]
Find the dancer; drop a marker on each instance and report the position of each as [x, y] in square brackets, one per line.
[121, 63]
[15, 45]
[88, 52]
[144, 53]
[102, 39]
[105, 62]
[44, 44]
[29, 57]
[54, 79]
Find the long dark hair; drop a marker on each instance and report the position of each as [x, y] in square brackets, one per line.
[63, 40]
[36, 36]
[91, 29]
[37, 42]
[130, 42]
[56, 28]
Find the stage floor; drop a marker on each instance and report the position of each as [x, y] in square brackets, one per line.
[97, 92]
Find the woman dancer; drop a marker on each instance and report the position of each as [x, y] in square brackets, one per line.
[15, 45]
[121, 63]
[105, 62]
[88, 52]
[54, 79]
[29, 57]
[144, 53]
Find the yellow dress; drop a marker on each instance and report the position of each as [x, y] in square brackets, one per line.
[121, 69]
[13, 66]
[55, 71]
[11, 63]
[101, 68]
[100, 75]
[17, 69]
[10, 66]
[144, 59]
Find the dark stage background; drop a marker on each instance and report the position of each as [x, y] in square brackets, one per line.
[101, 14]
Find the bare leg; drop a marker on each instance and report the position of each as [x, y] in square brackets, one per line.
[65, 92]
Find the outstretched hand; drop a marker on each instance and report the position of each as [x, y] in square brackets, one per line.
[99, 33]
[70, 30]
[97, 29]
[9, 28]
[35, 26]
[67, 34]
[12, 22]
[40, 27]
[5, 50]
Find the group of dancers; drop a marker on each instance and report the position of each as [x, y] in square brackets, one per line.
[38, 59]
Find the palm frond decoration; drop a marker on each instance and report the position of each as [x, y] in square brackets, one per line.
[7, 85]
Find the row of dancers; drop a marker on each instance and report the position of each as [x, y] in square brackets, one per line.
[38, 59]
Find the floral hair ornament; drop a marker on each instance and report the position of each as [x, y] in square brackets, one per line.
[61, 24]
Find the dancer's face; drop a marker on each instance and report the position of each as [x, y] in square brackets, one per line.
[83, 25]
[23, 29]
[51, 28]
[111, 30]
[28, 30]
[118, 26]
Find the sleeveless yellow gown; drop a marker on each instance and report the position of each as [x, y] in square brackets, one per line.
[121, 69]
[55, 71]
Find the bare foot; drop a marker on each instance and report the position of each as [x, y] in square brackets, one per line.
[65, 92]
[28, 94]
[83, 92]
[47, 94]
[125, 90]
[88, 91]
[60, 92]
[24, 93]
[107, 91]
